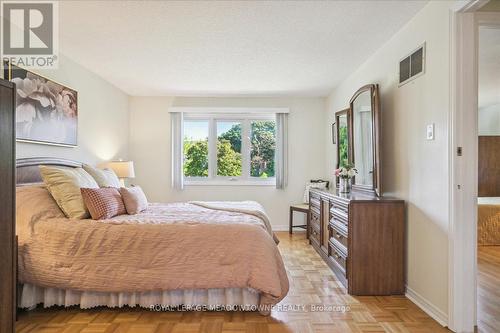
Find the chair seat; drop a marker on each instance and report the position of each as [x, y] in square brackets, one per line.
[300, 206]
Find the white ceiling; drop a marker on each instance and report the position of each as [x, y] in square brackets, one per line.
[489, 66]
[256, 48]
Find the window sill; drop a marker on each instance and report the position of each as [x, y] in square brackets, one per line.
[229, 183]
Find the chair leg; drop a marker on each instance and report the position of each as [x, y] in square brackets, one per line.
[308, 221]
[291, 221]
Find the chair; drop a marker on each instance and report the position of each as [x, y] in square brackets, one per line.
[303, 208]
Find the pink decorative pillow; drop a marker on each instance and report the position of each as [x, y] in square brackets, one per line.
[134, 198]
[103, 203]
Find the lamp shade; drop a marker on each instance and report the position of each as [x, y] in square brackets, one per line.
[123, 169]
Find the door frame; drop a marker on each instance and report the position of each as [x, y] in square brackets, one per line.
[463, 167]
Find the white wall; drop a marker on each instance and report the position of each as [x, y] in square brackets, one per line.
[102, 117]
[150, 149]
[489, 120]
[413, 168]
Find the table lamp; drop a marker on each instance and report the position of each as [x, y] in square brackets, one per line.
[123, 169]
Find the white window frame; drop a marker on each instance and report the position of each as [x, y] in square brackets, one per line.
[245, 119]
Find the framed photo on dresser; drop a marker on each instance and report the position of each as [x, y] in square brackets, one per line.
[46, 111]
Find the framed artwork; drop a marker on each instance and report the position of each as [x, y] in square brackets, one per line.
[46, 111]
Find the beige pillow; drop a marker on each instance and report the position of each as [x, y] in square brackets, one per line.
[104, 178]
[64, 185]
[134, 198]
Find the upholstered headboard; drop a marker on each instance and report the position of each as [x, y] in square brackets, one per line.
[27, 171]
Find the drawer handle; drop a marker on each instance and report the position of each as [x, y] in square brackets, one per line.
[339, 236]
[336, 255]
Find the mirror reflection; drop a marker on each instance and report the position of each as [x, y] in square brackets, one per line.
[342, 140]
[363, 138]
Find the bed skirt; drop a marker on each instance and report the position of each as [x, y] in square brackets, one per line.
[229, 299]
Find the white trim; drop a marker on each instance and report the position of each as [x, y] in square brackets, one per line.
[212, 148]
[284, 227]
[468, 5]
[237, 182]
[228, 116]
[427, 307]
[463, 172]
[228, 110]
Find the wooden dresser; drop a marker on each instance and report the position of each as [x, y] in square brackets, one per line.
[362, 238]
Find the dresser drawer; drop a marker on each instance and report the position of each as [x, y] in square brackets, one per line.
[315, 218]
[340, 205]
[314, 203]
[339, 258]
[314, 210]
[339, 216]
[314, 233]
[339, 234]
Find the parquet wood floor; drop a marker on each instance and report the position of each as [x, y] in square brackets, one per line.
[312, 283]
[488, 289]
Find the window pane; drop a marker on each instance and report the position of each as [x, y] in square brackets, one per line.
[196, 148]
[263, 144]
[228, 148]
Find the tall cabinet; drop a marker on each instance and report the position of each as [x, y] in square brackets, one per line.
[7, 211]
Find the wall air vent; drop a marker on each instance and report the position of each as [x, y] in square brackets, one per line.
[412, 66]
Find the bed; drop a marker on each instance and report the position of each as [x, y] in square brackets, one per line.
[196, 255]
[488, 221]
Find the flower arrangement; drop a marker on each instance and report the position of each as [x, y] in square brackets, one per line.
[347, 171]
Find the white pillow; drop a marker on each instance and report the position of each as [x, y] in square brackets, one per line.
[134, 198]
[103, 177]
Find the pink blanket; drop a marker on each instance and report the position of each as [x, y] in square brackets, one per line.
[168, 247]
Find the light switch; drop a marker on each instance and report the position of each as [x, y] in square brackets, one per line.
[430, 132]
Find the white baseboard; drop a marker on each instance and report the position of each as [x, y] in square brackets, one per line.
[427, 307]
[282, 227]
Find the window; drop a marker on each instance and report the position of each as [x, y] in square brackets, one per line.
[229, 161]
[224, 149]
[195, 148]
[263, 145]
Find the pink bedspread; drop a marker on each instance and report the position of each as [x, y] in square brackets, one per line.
[168, 247]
